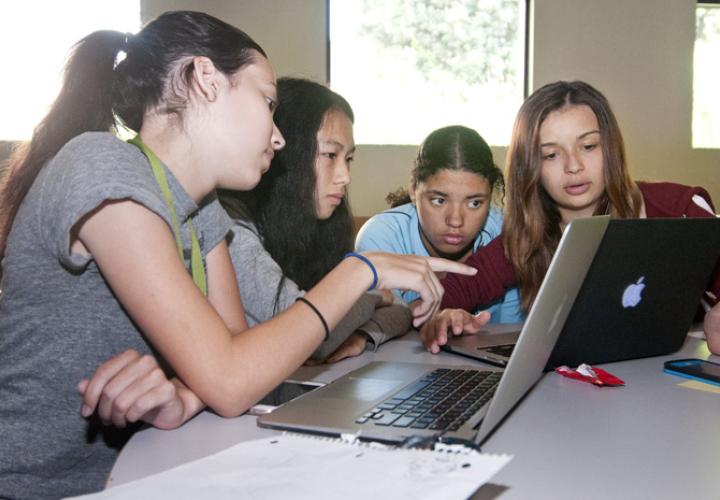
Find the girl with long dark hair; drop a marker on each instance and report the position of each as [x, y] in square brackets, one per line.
[296, 225]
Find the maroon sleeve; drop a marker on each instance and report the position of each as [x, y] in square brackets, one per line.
[668, 199]
[495, 274]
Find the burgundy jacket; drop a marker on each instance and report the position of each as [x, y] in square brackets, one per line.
[495, 273]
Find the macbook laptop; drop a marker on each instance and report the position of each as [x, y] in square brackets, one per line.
[638, 299]
[391, 402]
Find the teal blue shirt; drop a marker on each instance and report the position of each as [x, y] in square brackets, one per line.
[398, 231]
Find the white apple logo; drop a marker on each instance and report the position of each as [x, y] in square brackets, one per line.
[631, 296]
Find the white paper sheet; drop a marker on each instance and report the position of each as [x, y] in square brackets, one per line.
[299, 466]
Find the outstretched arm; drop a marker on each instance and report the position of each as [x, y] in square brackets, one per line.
[495, 275]
[220, 368]
[265, 290]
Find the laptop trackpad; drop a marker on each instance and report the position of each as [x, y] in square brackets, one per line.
[364, 389]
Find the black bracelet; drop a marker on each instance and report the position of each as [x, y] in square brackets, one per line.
[319, 315]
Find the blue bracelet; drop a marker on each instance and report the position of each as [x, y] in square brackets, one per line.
[370, 264]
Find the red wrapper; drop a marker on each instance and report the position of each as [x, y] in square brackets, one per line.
[587, 373]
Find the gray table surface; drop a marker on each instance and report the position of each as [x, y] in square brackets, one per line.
[649, 439]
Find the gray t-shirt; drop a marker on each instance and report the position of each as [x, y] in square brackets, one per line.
[259, 275]
[59, 319]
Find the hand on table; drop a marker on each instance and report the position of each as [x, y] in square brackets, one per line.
[434, 333]
[128, 388]
[354, 345]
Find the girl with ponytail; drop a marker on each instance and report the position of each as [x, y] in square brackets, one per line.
[119, 302]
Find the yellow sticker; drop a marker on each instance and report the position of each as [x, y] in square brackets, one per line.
[700, 386]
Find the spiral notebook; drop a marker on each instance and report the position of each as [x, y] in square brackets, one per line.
[300, 466]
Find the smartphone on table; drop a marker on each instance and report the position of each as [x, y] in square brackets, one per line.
[696, 369]
[286, 391]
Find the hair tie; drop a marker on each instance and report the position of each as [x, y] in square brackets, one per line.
[122, 51]
[319, 315]
[370, 265]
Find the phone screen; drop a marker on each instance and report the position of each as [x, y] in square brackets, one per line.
[704, 369]
[697, 368]
[287, 391]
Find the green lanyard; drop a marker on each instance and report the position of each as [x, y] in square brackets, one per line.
[196, 262]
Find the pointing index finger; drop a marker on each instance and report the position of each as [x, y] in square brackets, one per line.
[438, 264]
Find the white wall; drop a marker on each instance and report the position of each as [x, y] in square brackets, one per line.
[292, 32]
[637, 52]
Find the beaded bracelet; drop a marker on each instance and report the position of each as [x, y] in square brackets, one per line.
[370, 264]
[319, 315]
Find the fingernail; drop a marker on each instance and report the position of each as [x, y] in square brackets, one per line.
[85, 411]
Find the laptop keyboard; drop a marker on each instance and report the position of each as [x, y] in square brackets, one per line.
[442, 400]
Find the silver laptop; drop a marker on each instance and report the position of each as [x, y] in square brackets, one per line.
[493, 344]
[638, 299]
[395, 401]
